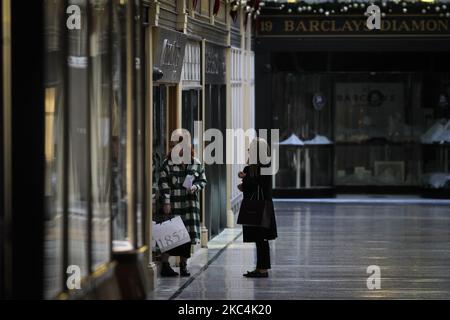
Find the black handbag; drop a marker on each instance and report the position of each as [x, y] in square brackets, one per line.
[256, 212]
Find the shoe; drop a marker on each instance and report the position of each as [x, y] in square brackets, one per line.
[167, 271]
[183, 270]
[256, 274]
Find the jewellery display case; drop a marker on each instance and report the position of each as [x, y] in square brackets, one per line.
[306, 147]
[436, 161]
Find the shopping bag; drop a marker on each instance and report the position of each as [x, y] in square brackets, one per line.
[256, 212]
[170, 234]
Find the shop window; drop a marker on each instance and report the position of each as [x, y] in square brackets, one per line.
[120, 221]
[100, 119]
[303, 115]
[54, 115]
[87, 134]
[215, 193]
[190, 112]
[140, 125]
[78, 162]
[436, 137]
[378, 122]
[159, 139]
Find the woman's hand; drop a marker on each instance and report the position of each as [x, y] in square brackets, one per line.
[193, 189]
[167, 208]
[241, 174]
[240, 187]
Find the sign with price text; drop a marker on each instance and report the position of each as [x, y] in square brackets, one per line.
[170, 234]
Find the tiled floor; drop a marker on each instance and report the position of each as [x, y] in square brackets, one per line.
[323, 252]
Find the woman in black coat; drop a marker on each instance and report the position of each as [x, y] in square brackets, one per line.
[252, 178]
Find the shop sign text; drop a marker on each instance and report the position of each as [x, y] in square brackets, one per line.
[351, 25]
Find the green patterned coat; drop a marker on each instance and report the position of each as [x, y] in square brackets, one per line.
[184, 204]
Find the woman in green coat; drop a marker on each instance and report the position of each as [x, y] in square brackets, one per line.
[179, 201]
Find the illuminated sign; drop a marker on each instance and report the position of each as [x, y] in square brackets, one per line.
[313, 25]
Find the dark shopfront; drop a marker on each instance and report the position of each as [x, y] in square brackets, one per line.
[371, 112]
[215, 117]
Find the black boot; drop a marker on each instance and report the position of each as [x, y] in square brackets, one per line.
[167, 271]
[183, 270]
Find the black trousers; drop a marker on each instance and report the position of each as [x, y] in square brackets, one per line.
[262, 254]
[181, 251]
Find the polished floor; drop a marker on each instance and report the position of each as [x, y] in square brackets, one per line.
[323, 252]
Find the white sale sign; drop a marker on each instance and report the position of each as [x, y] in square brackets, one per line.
[170, 234]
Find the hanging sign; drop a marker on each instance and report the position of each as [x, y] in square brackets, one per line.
[169, 54]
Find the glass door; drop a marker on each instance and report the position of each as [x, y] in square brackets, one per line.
[190, 111]
[215, 193]
[160, 138]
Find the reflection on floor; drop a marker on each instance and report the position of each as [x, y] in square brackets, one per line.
[323, 252]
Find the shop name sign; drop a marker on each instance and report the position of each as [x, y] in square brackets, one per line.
[169, 53]
[352, 25]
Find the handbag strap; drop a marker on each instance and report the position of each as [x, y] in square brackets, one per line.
[259, 190]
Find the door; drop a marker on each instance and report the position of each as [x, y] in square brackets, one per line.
[190, 111]
[159, 139]
[215, 202]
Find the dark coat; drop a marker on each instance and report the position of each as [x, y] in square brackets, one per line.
[250, 186]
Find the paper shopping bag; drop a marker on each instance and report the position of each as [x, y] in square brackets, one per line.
[170, 234]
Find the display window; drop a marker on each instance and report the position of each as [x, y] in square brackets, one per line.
[304, 116]
[361, 129]
[191, 112]
[160, 139]
[93, 100]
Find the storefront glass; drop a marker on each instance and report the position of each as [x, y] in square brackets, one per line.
[215, 194]
[215, 117]
[378, 123]
[360, 128]
[54, 120]
[86, 135]
[100, 115]
[140, 122]
[304, 109]
[119, 123]
[78, 103]
[191, 77]
[190, 112]
[159, 139]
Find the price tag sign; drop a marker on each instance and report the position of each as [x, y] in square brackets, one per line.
[170, 234]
